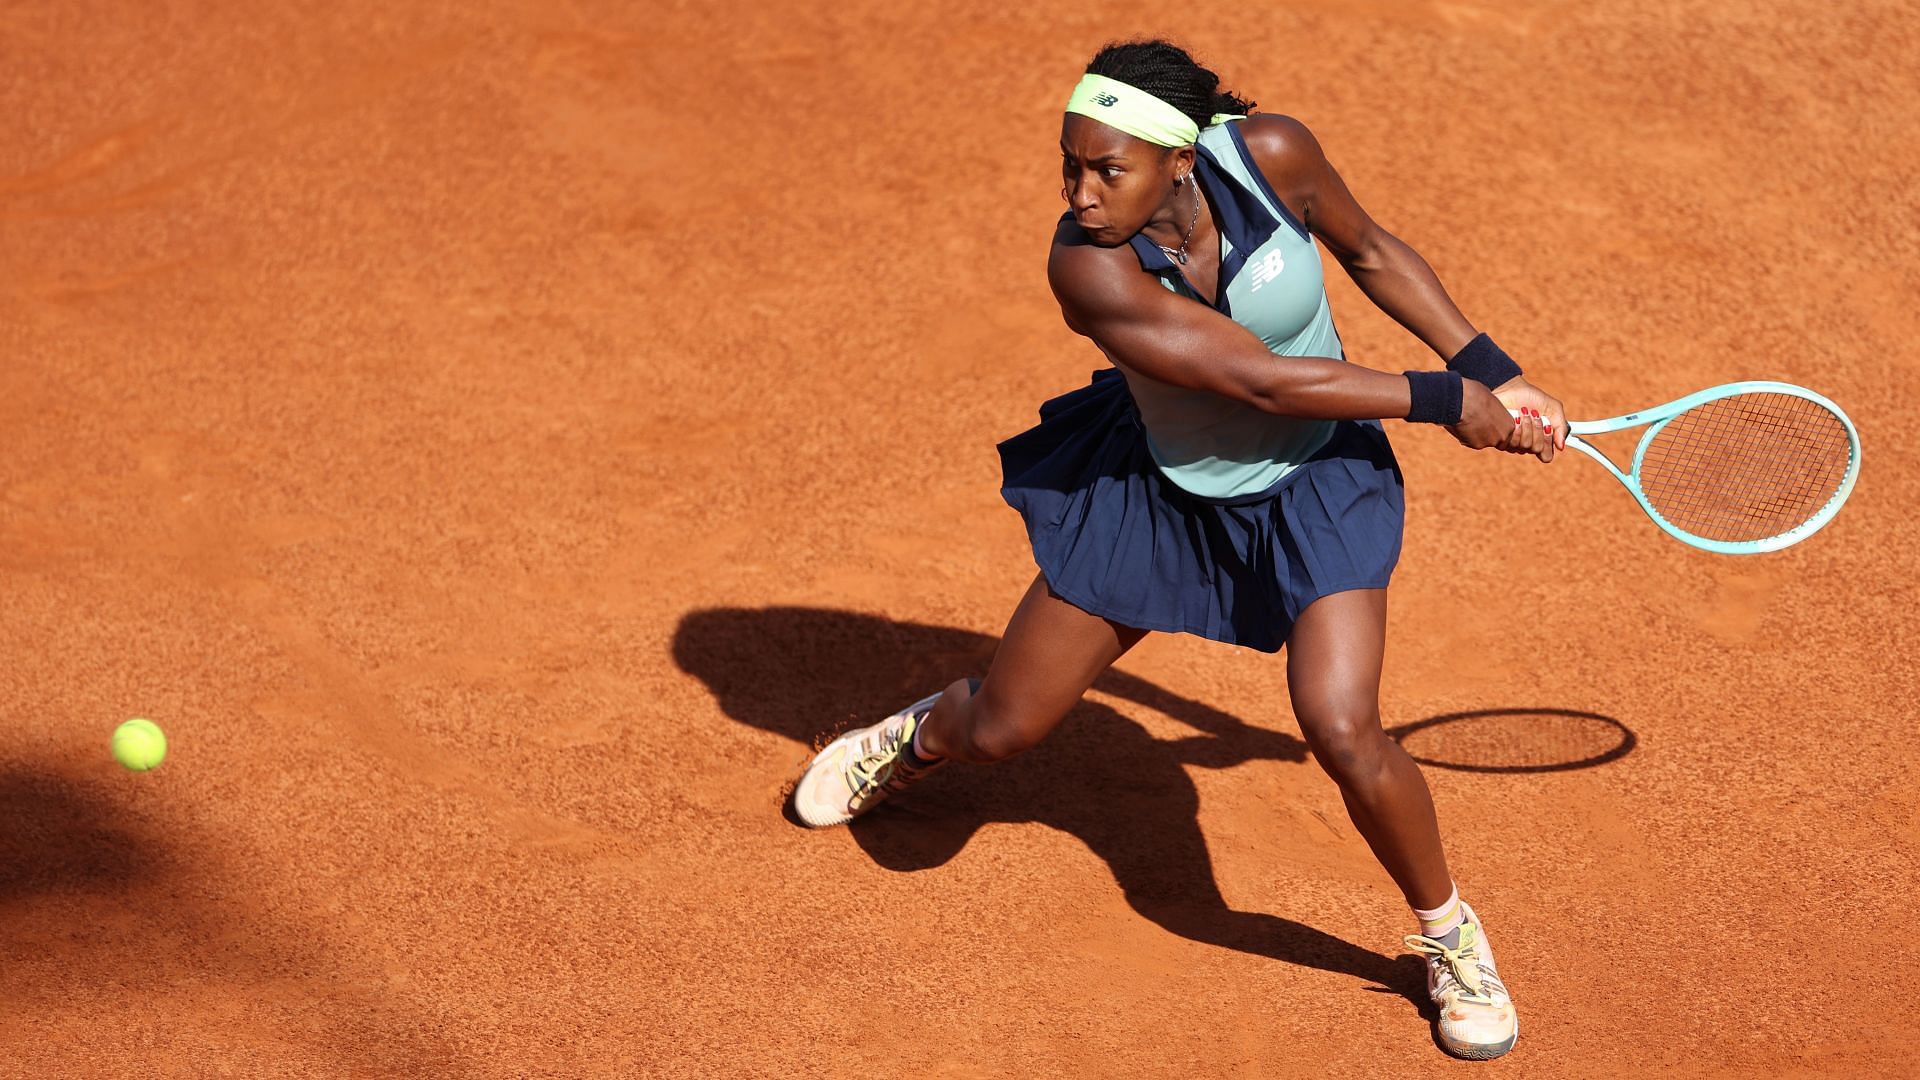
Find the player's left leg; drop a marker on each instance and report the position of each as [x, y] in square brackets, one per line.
[1333, 668]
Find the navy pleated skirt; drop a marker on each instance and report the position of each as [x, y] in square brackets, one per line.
[1116, 538]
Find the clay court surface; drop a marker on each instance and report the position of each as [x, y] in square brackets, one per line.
[494, 442]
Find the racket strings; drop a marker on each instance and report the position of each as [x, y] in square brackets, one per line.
[1746, 467]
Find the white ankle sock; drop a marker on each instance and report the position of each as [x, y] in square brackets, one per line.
[1441, 921]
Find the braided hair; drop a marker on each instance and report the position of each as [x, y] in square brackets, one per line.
[1164, 70]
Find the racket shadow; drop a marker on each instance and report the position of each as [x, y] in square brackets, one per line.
[1516, 740]
[1100, 777]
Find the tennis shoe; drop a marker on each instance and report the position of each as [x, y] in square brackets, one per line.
[1477, 1018]
[855, 772]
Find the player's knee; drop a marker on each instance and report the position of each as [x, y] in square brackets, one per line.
[1347, 742]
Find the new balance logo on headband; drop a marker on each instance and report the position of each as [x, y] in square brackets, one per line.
[1106, 99]
[1267, 269]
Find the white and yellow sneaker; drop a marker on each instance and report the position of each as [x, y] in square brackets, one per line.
[854, 772]
[1477, 1018]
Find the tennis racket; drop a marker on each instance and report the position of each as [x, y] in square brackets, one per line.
[1738, 469]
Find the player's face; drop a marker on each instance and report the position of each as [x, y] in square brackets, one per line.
[1115, 183]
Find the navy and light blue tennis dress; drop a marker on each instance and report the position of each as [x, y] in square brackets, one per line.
[1165, 508]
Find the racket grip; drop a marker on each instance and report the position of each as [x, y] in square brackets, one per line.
[1515, 413]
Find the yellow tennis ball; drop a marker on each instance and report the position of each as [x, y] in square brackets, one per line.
[139, 744]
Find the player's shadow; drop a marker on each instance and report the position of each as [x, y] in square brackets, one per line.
[802, 672]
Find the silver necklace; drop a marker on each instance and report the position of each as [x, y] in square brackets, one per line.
[1180, 253]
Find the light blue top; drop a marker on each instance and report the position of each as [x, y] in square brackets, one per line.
[1270, 283]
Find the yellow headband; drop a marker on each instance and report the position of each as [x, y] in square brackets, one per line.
[1136, 112]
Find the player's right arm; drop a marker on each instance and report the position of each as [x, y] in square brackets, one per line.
[1169, 337]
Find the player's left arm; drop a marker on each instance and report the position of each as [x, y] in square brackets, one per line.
[1392, 274]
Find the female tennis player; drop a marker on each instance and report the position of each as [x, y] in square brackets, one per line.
[1228, 476]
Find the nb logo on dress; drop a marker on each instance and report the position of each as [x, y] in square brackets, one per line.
[1105, 99]
[1267, 269]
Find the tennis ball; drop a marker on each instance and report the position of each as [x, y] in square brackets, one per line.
[139, 744]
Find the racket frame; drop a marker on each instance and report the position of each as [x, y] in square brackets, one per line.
[1658, 417]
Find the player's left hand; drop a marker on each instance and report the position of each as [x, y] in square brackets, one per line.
[1542, 426]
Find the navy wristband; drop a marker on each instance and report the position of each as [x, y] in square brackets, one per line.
[1485, 363]
[1436, 397]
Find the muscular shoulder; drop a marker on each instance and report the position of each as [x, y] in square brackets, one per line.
[1089, 279]
[1280, 143]
[1288, 154]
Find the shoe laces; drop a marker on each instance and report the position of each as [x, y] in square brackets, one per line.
[1459, 965]
[876, 769]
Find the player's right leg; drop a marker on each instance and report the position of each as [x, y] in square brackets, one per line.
[1049, 656]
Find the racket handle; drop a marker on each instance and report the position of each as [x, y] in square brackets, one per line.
[1515, 413]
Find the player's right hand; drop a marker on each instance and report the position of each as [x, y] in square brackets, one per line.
[1484, 422]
